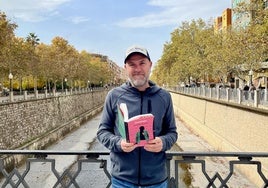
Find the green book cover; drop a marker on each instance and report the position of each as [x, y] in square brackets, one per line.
[121, 123]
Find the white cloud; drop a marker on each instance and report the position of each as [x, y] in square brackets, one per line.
[168, 16]
[173, 12]
[79, 19]
[170, 3]
[31, 10]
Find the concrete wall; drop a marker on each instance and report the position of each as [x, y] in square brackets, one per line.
[226, 126]
[33, 124]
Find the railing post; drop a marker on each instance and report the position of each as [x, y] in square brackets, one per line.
[256, 97]
[218, 94]
[54, 92]
[239, 93]
[265, 89]
[227, 94]
[265, 95]
[25, 95]
[36, 94]
[45, 93]
[210, 92]
[11, 96]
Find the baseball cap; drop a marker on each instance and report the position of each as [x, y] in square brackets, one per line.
[136, 49]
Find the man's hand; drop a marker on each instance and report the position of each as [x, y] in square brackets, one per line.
[127, 147]
[154, 145]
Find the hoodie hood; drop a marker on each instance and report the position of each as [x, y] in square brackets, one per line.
[149, 91]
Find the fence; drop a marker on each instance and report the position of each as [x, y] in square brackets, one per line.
[13, 178]
[39, 94]
[256, 98]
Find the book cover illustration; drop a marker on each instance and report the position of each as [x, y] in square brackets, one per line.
[121, 122]
[138, 129]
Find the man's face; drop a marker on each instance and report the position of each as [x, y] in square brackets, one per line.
[138, 70]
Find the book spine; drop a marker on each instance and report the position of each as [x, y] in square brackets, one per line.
[126, 130]
[150, 111]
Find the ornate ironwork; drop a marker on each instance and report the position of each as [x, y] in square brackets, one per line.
[17, 177]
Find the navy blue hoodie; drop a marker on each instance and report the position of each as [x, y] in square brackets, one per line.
[139, 167]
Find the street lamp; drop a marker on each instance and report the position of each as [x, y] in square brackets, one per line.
[250, 73]
[10, 76]
[65, 86]
[65, 80]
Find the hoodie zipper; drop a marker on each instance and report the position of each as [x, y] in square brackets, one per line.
[139, 170]
[149, 110]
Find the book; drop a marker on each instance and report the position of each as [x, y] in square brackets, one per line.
[137, 129]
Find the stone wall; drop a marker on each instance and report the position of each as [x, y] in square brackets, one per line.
[226, 126]
[23, 123]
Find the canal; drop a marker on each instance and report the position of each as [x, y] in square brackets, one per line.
[91, 175]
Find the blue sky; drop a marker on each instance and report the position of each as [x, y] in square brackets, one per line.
[108, 27]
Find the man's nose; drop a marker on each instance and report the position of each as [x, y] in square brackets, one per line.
[137, 68]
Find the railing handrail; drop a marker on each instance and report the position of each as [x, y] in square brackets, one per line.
[45, 94]
[259, 97]
[170, 153]
[52, 152]
[92, 156]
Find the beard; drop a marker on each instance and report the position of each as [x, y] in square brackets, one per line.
[139, 81]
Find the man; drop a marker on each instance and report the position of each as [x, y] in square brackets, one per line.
[134, 166]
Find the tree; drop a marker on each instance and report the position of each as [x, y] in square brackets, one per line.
[6, 38]
[32, 41]
[20, 59]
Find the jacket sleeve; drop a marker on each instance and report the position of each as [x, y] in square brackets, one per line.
[106, 131]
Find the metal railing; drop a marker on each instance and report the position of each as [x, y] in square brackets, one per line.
[12, 177]
[256, 98]
[41, 94]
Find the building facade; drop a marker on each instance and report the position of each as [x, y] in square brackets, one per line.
[223, 23]
[235, 20]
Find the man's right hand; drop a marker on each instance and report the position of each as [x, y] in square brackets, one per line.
[127, 147]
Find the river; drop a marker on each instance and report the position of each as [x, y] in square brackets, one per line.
[91, 175]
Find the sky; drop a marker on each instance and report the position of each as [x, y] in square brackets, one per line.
[108, 27]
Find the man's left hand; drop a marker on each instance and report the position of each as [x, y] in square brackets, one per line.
[154, 145]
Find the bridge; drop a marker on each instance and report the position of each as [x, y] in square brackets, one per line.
[63, 106]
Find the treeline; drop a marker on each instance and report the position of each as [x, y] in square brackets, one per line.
[35, 65]
[196, 52]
